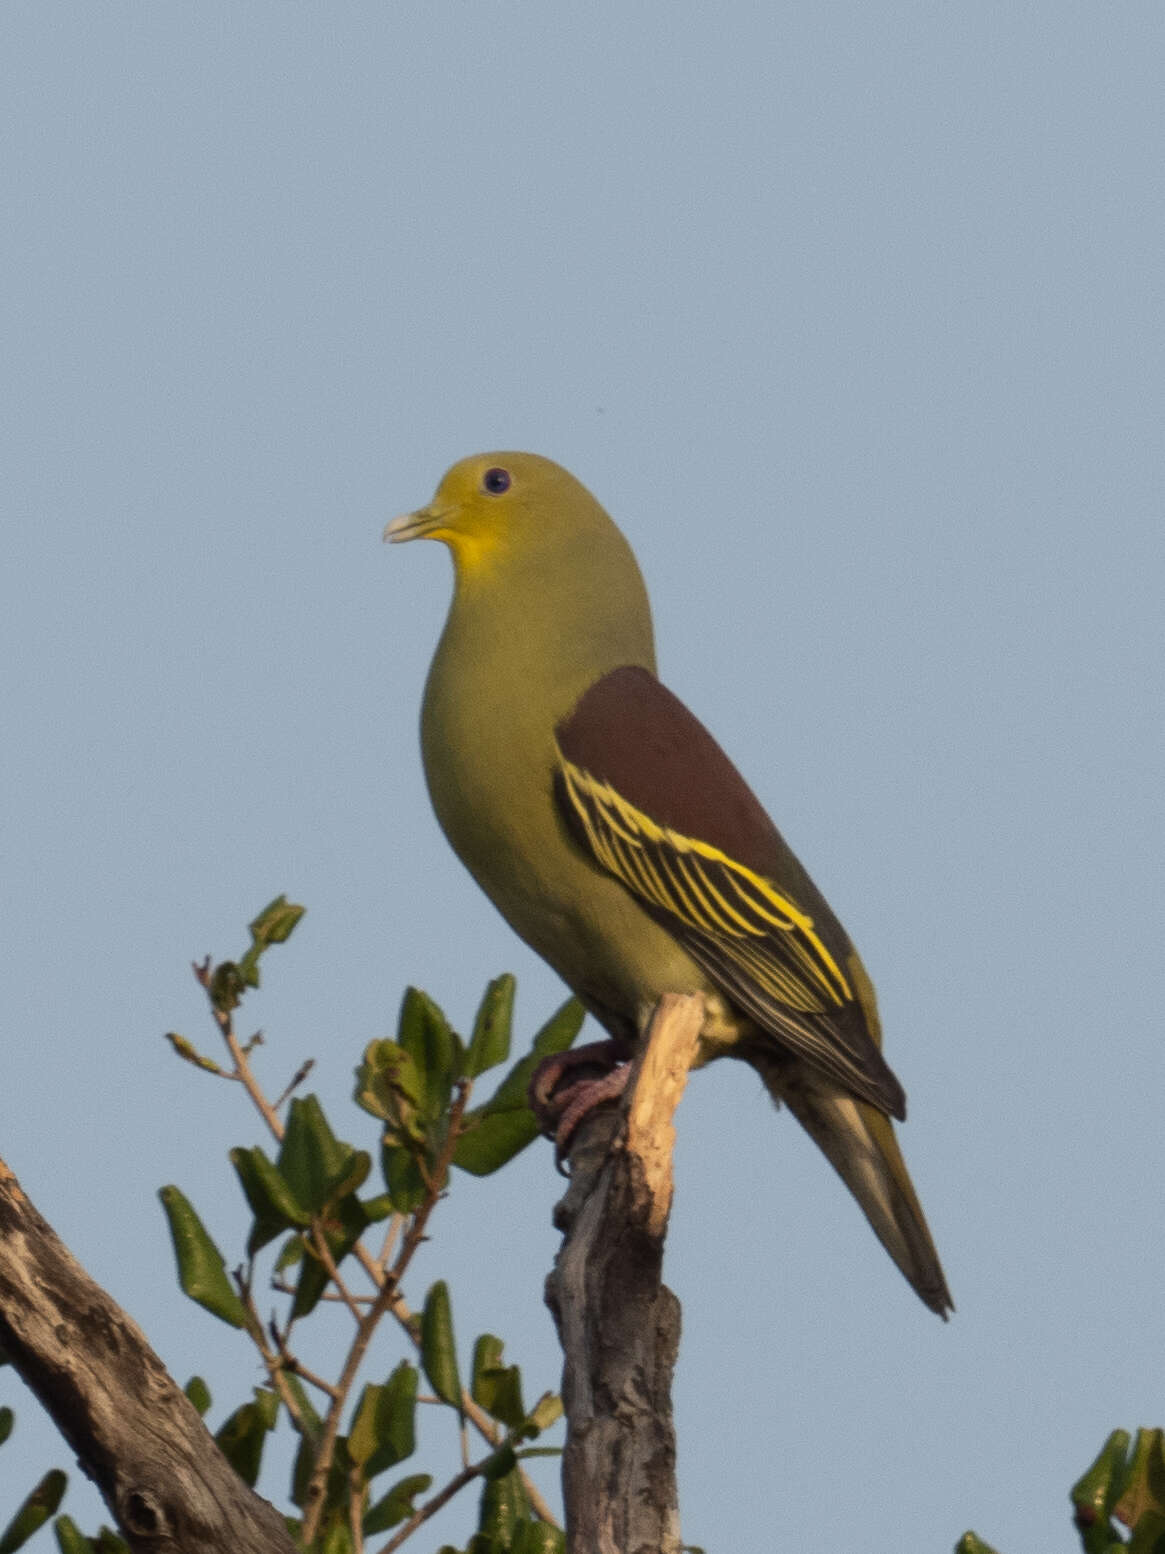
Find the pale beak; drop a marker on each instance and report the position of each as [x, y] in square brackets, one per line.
[410, 526]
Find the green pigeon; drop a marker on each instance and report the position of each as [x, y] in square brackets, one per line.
[616, 837]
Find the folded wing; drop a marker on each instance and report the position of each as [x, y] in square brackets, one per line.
[650, 794]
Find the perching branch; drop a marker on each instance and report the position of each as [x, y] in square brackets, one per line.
[135, 1432]
[618, 1323]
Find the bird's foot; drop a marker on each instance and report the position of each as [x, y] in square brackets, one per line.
[583, 1097]
[560, 1103]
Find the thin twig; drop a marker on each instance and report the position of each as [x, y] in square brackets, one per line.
[281, 1287]
[390, 1238]
[278, 1368]
[416, 1231]
[297, 1079]
[388, 1296]
[324, 1252]
[399, 1308]
[367, 1324]
[296, 1367]
[431, 1507]
[356, 1510]
[243, 1070]
[315, 1495]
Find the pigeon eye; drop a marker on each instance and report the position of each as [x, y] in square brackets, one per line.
[496, 481]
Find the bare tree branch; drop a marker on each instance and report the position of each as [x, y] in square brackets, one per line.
[618, 1323]
[134, 1431]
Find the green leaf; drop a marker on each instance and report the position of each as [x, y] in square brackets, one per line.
[547, 1411]
[70, 1538]
[227, 983]
[490, 1043]
[402, 1175]
[342, 1228]
[318, 1167]
[337, 1538]
[1143, 1496]
[353, 1177]
[497, 1387]
[436, 1051]
[187, 1050]
[337, 1488]
[301, 1470]
[307, 1420]
[7, 1420]
[504, 1504]
[532, 1537]
[241, 1438]
[492, 1139]
[495, 1132]
[397, 1504]
[555, 1036]
[276, 922]
[107, 1542]
[269, 1197]
[201, 1267]
[501, 1462]
[389, 1087]
[970, 1544]
[438, 1352]
[290, 1254]
[1148, 1535]
[199, 1394]
[34, 1511]
[1095, 1487]
[274, 925]
[1096, 1492]
[383, 1432]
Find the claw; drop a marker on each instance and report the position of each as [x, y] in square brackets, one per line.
[581, 1099]
[560, 1103]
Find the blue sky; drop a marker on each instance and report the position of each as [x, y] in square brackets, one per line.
[852, 316]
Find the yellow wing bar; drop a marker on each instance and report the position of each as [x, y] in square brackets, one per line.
[710, 893]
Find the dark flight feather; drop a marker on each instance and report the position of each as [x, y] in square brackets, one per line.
[653, 798]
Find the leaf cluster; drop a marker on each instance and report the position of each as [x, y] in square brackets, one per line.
[1123, 1485]
[314, 1203]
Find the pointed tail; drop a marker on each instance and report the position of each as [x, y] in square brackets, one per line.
[860, 1143]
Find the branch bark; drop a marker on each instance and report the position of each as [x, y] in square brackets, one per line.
[618, 1323]
[134, 1431]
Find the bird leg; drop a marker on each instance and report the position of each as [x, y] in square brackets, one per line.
[560, 1103]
